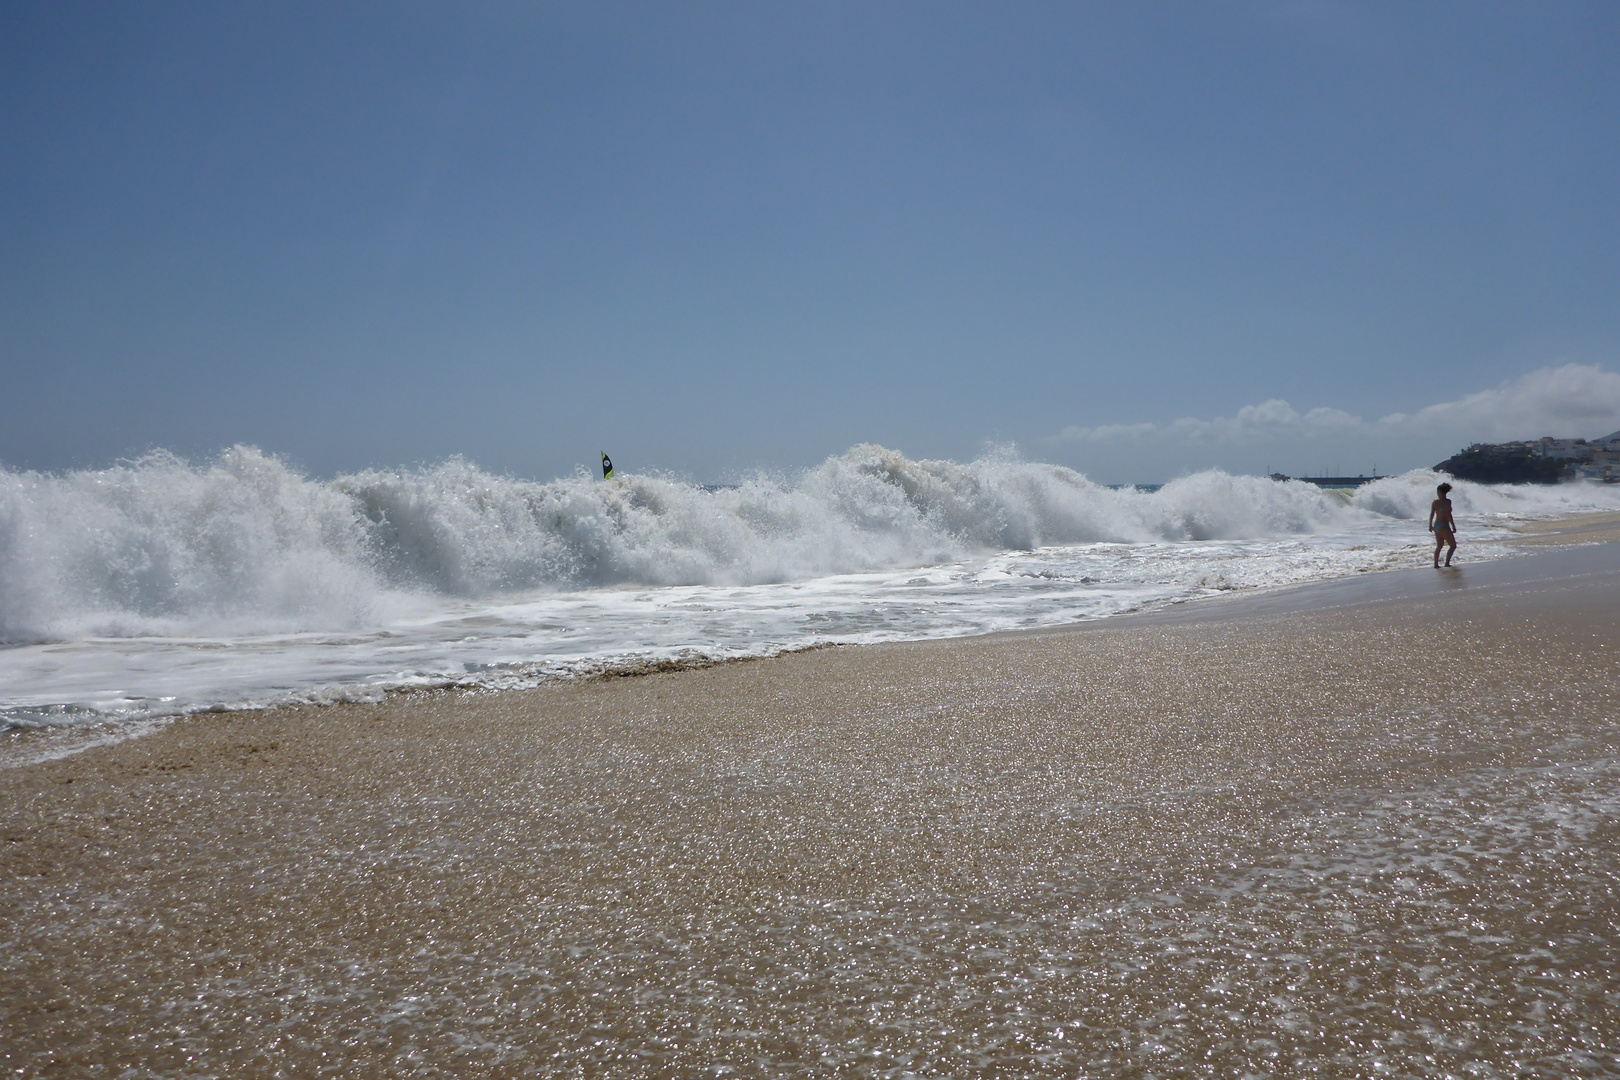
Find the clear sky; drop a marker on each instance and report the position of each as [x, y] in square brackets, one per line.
[710, 236]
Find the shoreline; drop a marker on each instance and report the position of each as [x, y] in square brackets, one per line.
[1564, 566]
[1571, 531]
[1373, 834]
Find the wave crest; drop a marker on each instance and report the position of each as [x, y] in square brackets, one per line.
[245, 544]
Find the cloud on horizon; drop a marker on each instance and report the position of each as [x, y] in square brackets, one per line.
[1575, 400]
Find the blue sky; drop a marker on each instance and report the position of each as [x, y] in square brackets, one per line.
[713, 237]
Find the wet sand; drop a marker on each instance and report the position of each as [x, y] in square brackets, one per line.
[1595, 528]
[1367, 829]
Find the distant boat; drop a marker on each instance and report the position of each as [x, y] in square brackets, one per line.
[1330, 481]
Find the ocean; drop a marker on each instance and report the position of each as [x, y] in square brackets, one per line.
[160, 587]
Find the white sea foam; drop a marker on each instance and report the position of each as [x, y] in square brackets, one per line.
[160, 586]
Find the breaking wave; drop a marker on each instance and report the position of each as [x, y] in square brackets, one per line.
[245, 544]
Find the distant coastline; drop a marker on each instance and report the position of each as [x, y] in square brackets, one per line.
[1537, 461]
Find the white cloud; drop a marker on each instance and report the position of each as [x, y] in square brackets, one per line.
[1576, 400]
[1569, 401]
[1267, 420]
[1107, 432]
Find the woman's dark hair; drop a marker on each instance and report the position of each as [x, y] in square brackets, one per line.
[1443, 488]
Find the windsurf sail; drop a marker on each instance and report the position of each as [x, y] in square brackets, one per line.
[607, 467]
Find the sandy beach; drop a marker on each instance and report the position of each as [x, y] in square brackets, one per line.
[1361, 829]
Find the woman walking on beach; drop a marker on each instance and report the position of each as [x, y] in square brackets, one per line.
[1442, 525]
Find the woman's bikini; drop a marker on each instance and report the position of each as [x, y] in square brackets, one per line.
[1442, 517]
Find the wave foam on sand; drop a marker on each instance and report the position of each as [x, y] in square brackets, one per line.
[159, 587]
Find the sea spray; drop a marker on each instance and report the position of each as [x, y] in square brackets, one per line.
[245, 544]
[157, 546]
[157, 586]
[1409, 497]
